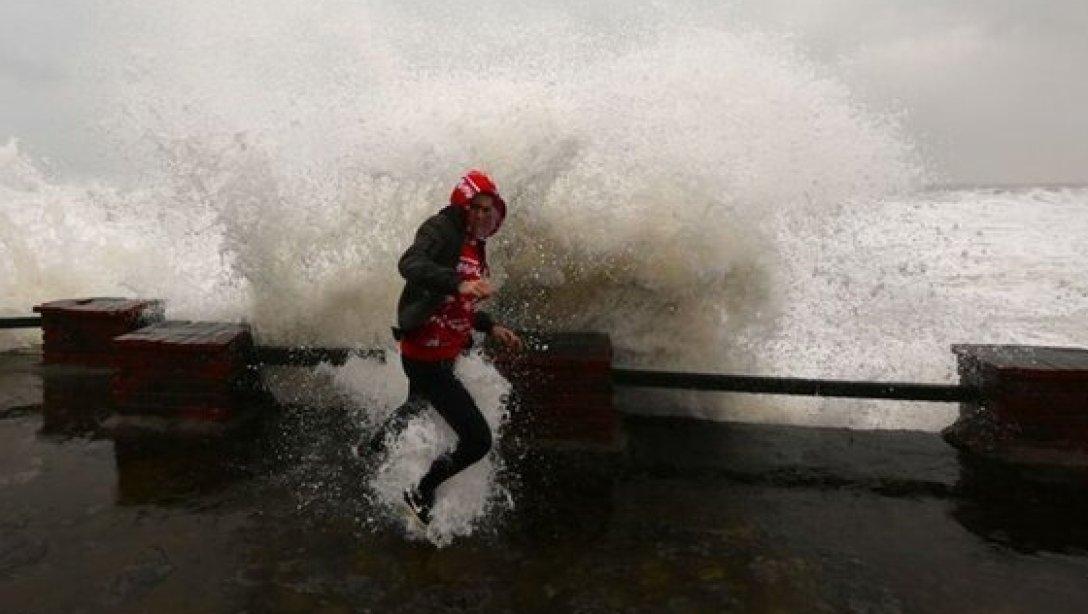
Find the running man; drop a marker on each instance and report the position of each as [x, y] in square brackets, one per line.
[446, 277]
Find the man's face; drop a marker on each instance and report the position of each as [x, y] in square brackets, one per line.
[481, 216]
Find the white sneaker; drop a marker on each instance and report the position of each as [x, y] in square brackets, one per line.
[419, 508]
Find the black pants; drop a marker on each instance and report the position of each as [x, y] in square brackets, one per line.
[435, 382]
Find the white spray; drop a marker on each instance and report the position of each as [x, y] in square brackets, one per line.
[465, 498]
[282, 155]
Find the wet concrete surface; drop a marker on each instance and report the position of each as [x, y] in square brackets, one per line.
[695, 517]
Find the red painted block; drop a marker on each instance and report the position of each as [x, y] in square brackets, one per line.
[74, 398]
[185, 337]
[207, 413]
[182, 370]
[155, 401]
[563, 388]
[1034, 407]
[79, 331]
[149, 363]
[219, 411]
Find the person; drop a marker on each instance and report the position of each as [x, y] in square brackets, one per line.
[446, 278]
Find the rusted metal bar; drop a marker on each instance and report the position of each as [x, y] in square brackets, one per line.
[311, 356]
[28, 322]
[794, 386]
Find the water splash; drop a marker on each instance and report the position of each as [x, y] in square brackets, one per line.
[306, 156]
[656, 165]
[467, 498]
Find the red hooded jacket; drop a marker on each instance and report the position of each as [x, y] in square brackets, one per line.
[448, 329]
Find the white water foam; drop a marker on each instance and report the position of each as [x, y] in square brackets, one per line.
[304, 157]
[463, 500]
[66, 241]
[672, 180]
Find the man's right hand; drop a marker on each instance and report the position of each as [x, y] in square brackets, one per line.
[480, 288]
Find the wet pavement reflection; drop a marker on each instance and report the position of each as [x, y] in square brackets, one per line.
[694, 517]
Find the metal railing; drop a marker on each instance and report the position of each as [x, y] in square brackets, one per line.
[677, 380]
[28, 322]
[902, 391]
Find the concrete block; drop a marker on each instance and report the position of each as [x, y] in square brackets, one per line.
[79, 331]
[562, 389]
[174, 374]
[1033, 409]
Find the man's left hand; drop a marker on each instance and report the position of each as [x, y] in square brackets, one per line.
[507, 337]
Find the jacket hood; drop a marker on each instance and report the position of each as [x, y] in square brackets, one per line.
[477, 182]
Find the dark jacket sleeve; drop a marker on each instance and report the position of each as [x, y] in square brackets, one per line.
[483, 322]
[419, 263]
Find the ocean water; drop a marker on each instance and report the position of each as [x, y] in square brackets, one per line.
[881, 293]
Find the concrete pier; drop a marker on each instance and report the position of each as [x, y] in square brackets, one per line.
[702, 517]
[1020, 406]
[78, 357]
[81, 331]
[116, 366]
[182, 379]
[563, 390]
[1033, 407]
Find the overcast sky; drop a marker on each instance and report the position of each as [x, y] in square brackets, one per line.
[996, 91]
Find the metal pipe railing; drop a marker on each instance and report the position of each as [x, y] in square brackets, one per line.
[903, 391]
[28, 322]
[794, 386]
[310, 356]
